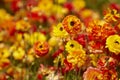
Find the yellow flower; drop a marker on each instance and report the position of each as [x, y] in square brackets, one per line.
[19, 54]
[53, 41]
[23, 25]
[32, 38]
[4, 15]
[77, 58]
[59, 31]
[79, 4]
[45, 6]
[113, 44]
[61, 1]
[4, 58]
[59, 10]
[72, 46]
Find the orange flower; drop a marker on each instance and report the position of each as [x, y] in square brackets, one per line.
[111, 15]
[41, 48]
[72, 24]
[92, 74]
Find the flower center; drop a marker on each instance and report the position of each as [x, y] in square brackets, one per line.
[117, 42]
[61, 29]
[72, 23]
[71, 45]
[40, 46]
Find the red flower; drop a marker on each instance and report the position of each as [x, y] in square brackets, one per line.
[81, 39]
[67, 68]
[16, 5]
[69, 6]
[41, 48]
[39, 77]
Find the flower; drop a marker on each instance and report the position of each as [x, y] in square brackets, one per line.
[108, 67]
[19, 53]
[41, 48]
[22, 25]
[111, 15]
[99, 30]
[4, 15]
[32, 38]
[77, 58]
[92, 74]
[79, 4]
[72, 46]
[59, 31]
[45, 6]
[72, 24]
[113, 44]
[4, 58]
[106, 61]
[76, 54]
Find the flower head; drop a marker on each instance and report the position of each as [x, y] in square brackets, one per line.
[111, 15]
[19, 53]
[22, 25]
[76, 54]
[106, 62]
[73, 46]
[113, 44]
[59, 31]
[77, 58]
[92, 74]
[72, 24]
[41, 48]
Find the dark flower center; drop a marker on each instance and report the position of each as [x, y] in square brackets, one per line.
[117, 42]
[71, 45]
[61, 29]
[72, 23]
[40, 46]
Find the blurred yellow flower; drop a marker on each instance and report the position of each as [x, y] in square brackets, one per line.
[53, 41]
[61, 1]
[19, 53]
[45, 6]
[4, 58]
[59, 11]
[79, 4]
[59, 31]
[4, 15]
[73, 46]
[22, 25]
[32, 38]
[113, 44]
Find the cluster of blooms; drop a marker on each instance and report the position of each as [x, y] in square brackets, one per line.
[38, 42]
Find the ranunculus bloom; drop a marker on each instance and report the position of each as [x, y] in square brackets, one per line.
[41, 48]
[92, 74]
[72, 24]
[111, 15]
[19, 53]
[113, 44]
[72, 46]
[77, 58]
[59, 31]
[107, 62]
